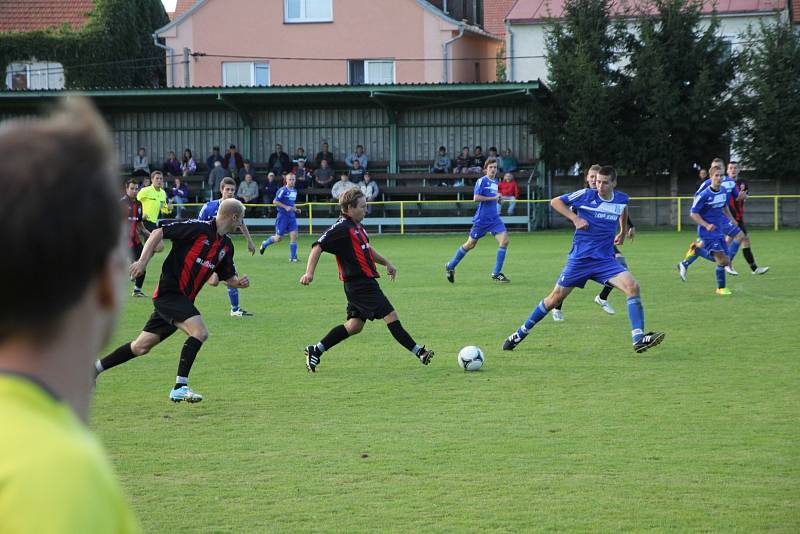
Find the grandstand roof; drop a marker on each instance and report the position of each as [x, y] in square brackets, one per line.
[396, 97]
[532, 11]
[31, 15]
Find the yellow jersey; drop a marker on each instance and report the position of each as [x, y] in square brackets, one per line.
[54, 475]
[153, 202]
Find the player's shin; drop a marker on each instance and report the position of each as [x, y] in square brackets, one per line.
[499, 260]
[403, 337]
[734, 249]
[233, 296]
[336, 335]
[720, 272]
[120, 355]
[636, 317]
[188, 354]
[459, 255]
[538, 313]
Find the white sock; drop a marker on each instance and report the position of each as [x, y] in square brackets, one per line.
[98, 366]
[182, 380]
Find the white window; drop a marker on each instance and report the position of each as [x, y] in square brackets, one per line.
[307, 11]
[370, 71]
[245, 74]
[35, 75]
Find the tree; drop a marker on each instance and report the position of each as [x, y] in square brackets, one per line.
[768, 96]
[580, 121]
[679, 76]
[114, 49]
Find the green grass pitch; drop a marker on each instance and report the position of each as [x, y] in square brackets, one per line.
[572, 431]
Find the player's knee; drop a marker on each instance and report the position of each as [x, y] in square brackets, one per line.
[746, 242]
[504, 242]
[469, 245]
[633, 289]
[276, 238]
[354, 327]
[201, 334]
[392, 317]
[141, 347]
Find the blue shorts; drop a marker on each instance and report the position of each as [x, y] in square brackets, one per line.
[730, 229]
[480, 229]
[285, 224]
[577, 272]
[715, 244]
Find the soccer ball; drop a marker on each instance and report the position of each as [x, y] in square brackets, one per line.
[470, 358]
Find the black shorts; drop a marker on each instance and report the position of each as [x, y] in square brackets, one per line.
[365, 300]
[149, 225]
[169, 309]
[136, 251]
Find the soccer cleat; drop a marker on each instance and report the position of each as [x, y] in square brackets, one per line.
[293, 260]
[184, 393]
[425, 355]
[731, 271]
[262, 248]
[649, 340]
[604, 304]
[138, 293]
[512, 341]
[692, 250]
[723, 291]
[450, 274]
[558, 315]
[313, 356]
[241, 312]
[682, 271]
[500, 277]
[760, 270]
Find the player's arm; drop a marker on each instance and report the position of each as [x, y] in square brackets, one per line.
[240, 282]
[311, 266]
[561, 207]
[251, 247]
[696, 217]
[484, 198]
[287, 208]
[623, 227]
[153, 241]
[391, 270]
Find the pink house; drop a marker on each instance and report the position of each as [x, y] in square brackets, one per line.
[307, 42]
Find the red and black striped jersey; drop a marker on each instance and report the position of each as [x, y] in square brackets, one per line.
[737, 206]
[197, 252]
[349, 242]
[134, 218]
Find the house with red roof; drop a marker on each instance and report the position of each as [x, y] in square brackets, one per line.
[526, 26]
[33, 15]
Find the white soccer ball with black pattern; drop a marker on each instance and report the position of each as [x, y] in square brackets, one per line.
[470, 358]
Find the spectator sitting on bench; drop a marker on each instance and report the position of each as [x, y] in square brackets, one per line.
[478, 159]
[178, 194]
[248, 192]
[324, 155]
[359, 156]
[370, 190]
[357, 171]
[215, 156]
[188, 165]
[341, 186]
[304, 178]
[215, 178]
[232, 162]
[279, 161]
[508, 163]
[324, 175]
[299, 154]
[270, 190]
[171, 165]
[463, 161]
[141, 166]
[248, 169]
[509, 193]
[442, 162]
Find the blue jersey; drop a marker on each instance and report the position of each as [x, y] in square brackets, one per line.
[709, 205]
[596, 241]
[487, 209]
[728, 185]
[287, 197]
[210, 210]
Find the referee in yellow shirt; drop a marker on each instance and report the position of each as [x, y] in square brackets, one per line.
[54, 475]
[154, 201]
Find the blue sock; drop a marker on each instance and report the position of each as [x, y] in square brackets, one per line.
[233, 295]
[733, 249]
[498, 262]
[267, 243]
[293, 251]
[538, 313]
[720, 277]
[636, 317]
[460, 253]
[703, 253]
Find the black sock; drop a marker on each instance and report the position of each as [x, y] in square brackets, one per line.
[120, 355]
[188, 354]
[400, 334]
[140, 281]
[748, 256]
[558, 306]
[335, 336]
[606, 291]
